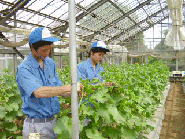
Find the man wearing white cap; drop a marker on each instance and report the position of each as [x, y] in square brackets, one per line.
[39, 85]
[90, 68]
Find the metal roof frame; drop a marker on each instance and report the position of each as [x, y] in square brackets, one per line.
[127, 15]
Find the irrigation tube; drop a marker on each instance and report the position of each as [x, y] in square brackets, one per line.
[72, 55]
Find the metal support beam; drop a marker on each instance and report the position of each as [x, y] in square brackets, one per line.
[15, 8]
[89, 10]
[146, 28]
[14, 55]
[125, 15]
[132, 27]
[73, 73]
[35, 12]
[117, 7]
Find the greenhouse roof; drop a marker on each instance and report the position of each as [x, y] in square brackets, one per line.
[113, 21]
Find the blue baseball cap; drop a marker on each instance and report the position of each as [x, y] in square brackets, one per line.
[100, 44]
[41, 34]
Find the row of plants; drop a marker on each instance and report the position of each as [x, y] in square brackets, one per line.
[11, 117]
[118, 111]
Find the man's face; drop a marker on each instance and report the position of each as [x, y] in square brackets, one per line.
[42, 52]
[97, 57]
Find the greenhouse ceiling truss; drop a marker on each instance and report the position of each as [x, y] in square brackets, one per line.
[113, 21]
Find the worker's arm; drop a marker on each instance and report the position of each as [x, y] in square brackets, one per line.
[46, 91]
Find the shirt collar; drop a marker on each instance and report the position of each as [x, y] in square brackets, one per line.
[33, 61]
[90, 64]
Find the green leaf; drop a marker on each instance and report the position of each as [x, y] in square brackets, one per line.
[10, 116]
[87, 110]
[2, 112]
[19, 113]
[94, 134]
[3, 135]
[15, 99]
[129, 134]
[12, 106]
[19, 137]
[10, 126]
[111, 132]
[8, 108]
[95, 104]
[116, 115]
[106, 116]
[63, 127]
[99, 97]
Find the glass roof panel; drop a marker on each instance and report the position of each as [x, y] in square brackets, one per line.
[43, 22]
[86, 3]
[141, 1]
[108, 12]
[138, 15]
[125, 23]
[10, 0]
[112, 31]
[85, 32]
[144, 25]
[131, 4]
[23, 15]
[2, 7]
[147, 9]
[163, 3]
[103, 20]
[89, 3]
[58, 6]
[157, 18]
[41, 3]
[128, 34]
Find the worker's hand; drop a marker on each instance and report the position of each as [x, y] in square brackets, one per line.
[81, 95]
[79, 90]
[79, 86]
[109, 83]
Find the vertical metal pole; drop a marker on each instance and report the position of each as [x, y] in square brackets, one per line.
[138, 45]
[177, 62]
[142, 57]
[15, 62]
[6, 60]
[177, 65]
[60, 61]
[161, 31]
[122, 56]
[72, 54]
[14, 55]
[153, 37]
[131, 60]
[126, 57]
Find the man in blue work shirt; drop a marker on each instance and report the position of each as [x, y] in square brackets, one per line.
[90, 68]
[39, 85]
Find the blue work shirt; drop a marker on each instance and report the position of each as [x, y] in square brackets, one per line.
[29, 78]
[85, 70]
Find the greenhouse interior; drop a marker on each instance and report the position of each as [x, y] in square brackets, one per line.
[145, 67]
